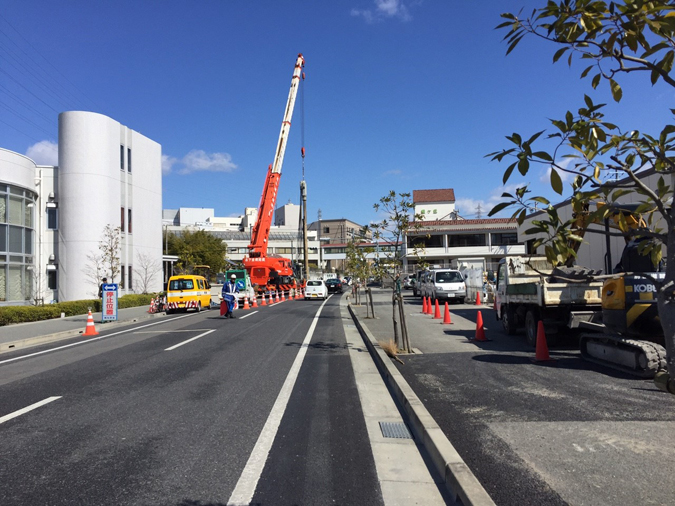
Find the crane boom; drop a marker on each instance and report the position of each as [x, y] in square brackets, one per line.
[262, 269]
[261, 229]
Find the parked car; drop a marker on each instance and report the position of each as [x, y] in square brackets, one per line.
[334, 285]
[445, 284]
[409, 281]
[316, 289]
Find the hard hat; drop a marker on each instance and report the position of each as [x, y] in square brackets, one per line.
[233, 277]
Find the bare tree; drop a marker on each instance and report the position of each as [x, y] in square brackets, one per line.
[146, 268]
[109, 246]
[94, 271]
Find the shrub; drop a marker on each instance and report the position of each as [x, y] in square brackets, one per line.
[20, 314]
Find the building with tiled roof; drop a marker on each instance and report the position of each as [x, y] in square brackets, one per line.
[444, 239]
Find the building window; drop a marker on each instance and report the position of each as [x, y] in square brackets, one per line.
[52, 222]
[131, 285]
[129, 224]
[461, 240]
[122, 220]
[504, 238]
[121, 157]
[326, 230]
[422, 241]
[51, 280]
[122, 273]
[129, 159]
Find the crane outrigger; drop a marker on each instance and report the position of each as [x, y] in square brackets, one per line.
[271, 272]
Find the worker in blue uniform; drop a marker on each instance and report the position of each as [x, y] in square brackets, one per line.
[229, 294]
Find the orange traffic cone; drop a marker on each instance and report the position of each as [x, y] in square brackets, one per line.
[480, 331]
[283, 297]
[90, 329]
[437, 312]
[427, 305]
[246, 306]
[478, 299]
[541, 354]
[297, 294]
[276, 296]
[262, 301]
[151, 309]
[254, 301]
[424, 305]
[446, 316]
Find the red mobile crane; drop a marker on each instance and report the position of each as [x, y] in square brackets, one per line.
[272, 271]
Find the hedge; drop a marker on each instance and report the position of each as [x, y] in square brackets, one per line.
[21, 314]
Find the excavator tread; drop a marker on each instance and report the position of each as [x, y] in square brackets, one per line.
[654, 354]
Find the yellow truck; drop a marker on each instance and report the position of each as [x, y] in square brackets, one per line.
[188, 291]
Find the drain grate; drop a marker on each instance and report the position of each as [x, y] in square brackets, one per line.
[397, 430]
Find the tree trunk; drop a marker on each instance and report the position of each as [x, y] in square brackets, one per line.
[393, 317]
[404, 326]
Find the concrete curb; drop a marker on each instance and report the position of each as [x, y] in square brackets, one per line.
[458, 478]
[29, 342]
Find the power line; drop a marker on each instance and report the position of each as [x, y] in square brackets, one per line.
[24, 118]
[48, 62]
[17, 82]
[21, 132]
[36, 79]
[25, 104]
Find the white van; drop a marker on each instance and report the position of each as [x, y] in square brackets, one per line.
[444, 284]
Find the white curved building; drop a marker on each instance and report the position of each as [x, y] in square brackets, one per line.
[52, 219]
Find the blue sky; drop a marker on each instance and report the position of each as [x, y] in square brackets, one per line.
[399, 95]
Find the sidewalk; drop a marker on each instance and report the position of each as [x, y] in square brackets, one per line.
[24, 335]
[459, 480]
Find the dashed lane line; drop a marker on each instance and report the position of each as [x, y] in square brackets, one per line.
[92, 339]
[189, 340]
[28, 408]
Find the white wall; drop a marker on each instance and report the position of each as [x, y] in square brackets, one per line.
[92, 190]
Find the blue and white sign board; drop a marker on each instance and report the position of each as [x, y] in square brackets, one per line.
[109, 303]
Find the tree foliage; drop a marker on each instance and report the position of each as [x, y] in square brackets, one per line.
[606, 162]
[197, 248]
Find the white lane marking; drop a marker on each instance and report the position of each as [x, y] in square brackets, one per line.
[248, 481]
[246, 316]
[92, 339]
[192, 331]
[190, 340]
[28, 408]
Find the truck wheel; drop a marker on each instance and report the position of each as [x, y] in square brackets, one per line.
[531, 321]
[509, 321]
[199, 306]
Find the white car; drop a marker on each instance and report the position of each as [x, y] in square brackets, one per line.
[316, 289]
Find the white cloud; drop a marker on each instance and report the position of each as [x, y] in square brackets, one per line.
[44, 153]
[384, 9]
[198, 160]
[468, 207]
[167, 163]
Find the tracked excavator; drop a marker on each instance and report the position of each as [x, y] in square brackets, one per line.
[626, 333]
[273, 272]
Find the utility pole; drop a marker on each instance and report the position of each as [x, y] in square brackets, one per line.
[320, 254]
[303, 194]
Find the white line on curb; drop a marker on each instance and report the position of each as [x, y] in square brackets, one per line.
[28, 408]
[189, 340]
[92, 339]
[248, 481]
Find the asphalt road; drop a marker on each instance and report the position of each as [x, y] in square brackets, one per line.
[569, 432]
[173, 412]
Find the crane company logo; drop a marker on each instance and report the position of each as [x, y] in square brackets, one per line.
[644, 288]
